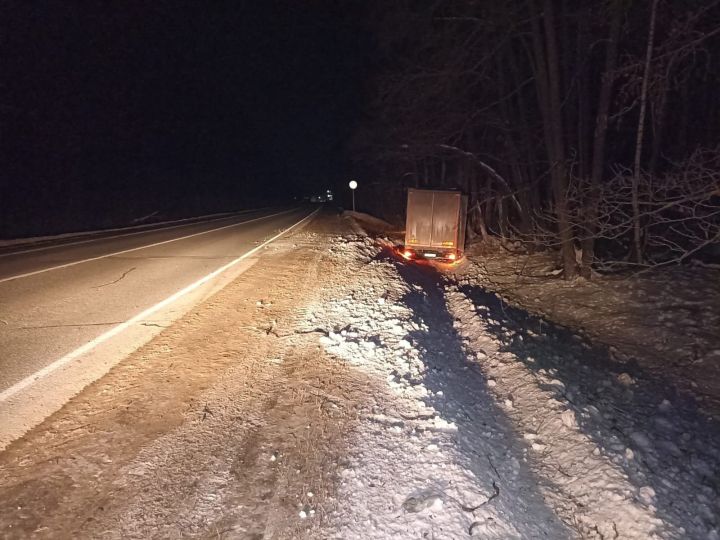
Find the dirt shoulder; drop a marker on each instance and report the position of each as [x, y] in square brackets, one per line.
[227, 424]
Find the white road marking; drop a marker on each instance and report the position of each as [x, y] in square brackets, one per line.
[44, 372]
[123, 235]
[74, 263]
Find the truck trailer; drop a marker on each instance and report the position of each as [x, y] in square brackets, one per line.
[435, 225]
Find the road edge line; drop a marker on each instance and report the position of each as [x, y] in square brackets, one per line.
[28, 381]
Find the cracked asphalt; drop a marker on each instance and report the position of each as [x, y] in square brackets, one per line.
[76, 291]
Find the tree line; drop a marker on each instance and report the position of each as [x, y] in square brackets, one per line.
[587, 126]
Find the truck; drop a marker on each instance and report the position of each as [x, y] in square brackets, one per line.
[435, 225]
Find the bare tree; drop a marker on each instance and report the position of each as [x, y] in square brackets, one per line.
[529, 106]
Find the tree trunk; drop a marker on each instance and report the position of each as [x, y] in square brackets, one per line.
[528, 154]
[487, 214]
[481, 223]
[502, 217]
[476, 209]
[660, 116]
[599, 142]
[583, 94]
[548, 84]
[637, 231]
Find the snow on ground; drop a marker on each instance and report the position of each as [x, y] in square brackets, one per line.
[363, 221]
[434, 457]
[499, 425]
[667, 320]
[618, 446]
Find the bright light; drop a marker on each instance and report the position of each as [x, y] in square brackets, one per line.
[452, 256]
[407, 254]
[352, 184]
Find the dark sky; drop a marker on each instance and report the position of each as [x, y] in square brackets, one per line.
[136, 102]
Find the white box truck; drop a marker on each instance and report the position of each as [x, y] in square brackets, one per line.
[435, 225]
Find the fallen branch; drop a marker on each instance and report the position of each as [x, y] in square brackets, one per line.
[496, 493]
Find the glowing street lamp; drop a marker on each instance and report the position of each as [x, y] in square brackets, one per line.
[353, 186]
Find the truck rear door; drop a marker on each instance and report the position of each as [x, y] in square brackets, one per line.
[419, 218]
[446, 209]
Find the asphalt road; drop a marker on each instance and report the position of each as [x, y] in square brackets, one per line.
[58, 297]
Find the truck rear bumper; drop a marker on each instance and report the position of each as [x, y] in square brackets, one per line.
[416, 253]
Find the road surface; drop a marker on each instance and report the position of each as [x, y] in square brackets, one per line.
[58, 300]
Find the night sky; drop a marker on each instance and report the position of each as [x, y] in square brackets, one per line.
[112, 110]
